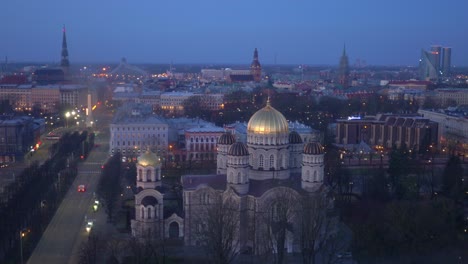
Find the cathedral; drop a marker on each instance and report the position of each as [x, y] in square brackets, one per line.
[273, 162]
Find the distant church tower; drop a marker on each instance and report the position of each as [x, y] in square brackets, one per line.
[343, 71]
[256, 68]
[64, 62]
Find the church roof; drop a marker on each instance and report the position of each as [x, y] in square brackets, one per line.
[215, 181]
[313, 148]
[241, 77]
[258, 187]
[268, 120]
[149, 159]
[226, 139]
[294, 138]
[238, 149]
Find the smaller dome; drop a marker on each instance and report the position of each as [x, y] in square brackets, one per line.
[238, 149]
[294, 138]
[313, 148]
[149, 200]
[226, 139]
[149, 159]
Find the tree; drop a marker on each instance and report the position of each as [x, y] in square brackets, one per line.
[194, 106]
[318, 227]
[90, 249]
[217, 229]
[430, 103]
[109, 188]
[398, 168]
[377, 187]
[144, 250]
[453, 178]
[276, 224]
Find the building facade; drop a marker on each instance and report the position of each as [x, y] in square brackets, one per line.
[16, 138]
[254, 176]
[135, 129]
[387, 130]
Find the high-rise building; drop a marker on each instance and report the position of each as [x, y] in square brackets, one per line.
[256, 68]
[343, 71]
[436, 53]
[435, 63]
[64, 62]
[446, 60]
[427, 67]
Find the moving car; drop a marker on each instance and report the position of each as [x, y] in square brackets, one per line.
[81, 188]
[89, 225]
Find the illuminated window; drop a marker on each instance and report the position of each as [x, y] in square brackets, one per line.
[260, 161]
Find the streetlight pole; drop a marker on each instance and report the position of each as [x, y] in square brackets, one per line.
[21, 235]
[67, 115]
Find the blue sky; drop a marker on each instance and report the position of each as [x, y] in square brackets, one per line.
[381, 32]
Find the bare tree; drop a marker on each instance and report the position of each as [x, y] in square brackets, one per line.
[89, 250]
[217, 229]
[114, 248]
[145, 249]
[278, 221]
[319, 229]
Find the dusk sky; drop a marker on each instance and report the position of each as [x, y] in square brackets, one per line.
[219, 31]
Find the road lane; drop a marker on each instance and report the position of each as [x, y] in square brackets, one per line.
[60, 242]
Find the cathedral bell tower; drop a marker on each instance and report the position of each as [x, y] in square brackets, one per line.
[256, 68]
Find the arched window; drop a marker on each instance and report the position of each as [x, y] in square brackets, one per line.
[231, 177]
[307, 175]
[280, 161]
[149, 212]
[174, 230]
[315, 176]
[272, 161]
[148, 175]
[239, 177]
[140, 175]
[260, 161]
[143, 213]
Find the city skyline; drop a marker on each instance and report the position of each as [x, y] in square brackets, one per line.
[210, 32]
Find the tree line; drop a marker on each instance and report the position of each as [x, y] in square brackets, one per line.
[30, 201]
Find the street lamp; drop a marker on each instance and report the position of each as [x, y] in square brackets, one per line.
[22, 233]
[67, 115]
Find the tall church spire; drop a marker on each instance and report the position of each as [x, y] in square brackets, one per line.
[256, 68]
[343, 71]
[64, 62]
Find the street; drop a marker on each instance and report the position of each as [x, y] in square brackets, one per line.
[61, 241]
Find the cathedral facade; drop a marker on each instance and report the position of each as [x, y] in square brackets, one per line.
[275, 165]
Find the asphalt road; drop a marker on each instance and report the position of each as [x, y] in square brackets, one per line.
[61, 241]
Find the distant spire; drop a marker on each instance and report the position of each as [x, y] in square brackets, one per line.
[343, 70]
[64, 63]
[255, 67]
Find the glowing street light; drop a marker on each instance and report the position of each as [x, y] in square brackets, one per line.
[67, 115]
[22, 234]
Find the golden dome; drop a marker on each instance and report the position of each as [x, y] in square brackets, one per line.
[149, 159]
[267, 120]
